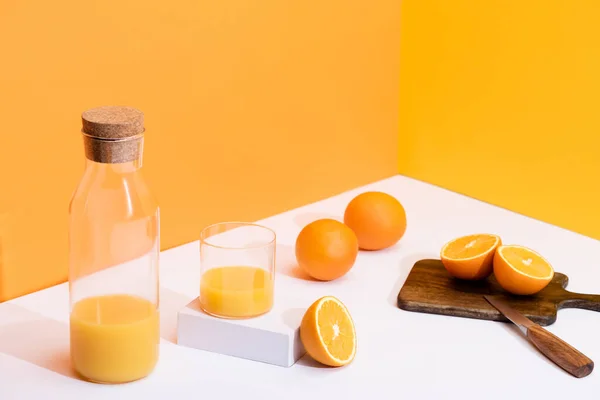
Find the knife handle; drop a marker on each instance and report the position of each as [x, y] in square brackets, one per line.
[561, 353]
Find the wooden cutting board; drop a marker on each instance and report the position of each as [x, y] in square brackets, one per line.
[430, 289]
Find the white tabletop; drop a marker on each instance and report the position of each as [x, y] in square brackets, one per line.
[401, 355]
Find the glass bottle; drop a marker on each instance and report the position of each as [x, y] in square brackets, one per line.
[113, 253]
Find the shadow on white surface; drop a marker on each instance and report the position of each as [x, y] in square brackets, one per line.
[171, 303]
[306, 218]
[525, 344]
[293, 317]
[404, 267]
[36, 339]
[287, 264]
[392, 249]
[195, 305]
[308, 361]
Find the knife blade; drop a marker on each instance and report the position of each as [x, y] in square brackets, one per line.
[513, 315]
[551, 346]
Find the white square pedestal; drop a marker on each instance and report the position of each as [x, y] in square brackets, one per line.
[273, 338]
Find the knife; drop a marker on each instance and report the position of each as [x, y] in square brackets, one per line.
[554, 348]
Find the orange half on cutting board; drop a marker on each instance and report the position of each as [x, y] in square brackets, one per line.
[470, 257]
[520, 270]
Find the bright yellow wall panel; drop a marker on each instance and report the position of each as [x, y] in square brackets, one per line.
[252, 108]
[500, 100]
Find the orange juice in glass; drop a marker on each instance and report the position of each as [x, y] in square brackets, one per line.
[237, 270]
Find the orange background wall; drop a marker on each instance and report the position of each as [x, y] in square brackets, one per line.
[251, 108]
[500, 100]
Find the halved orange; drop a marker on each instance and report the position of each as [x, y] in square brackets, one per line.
[520, 270]
[470, 257]
[327, 332]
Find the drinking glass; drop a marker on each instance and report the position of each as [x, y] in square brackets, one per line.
[237, 262]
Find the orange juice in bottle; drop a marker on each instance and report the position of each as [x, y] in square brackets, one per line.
[113, 253]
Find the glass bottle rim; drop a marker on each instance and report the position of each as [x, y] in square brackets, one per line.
[205, 240]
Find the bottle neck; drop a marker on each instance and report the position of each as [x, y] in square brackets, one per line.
[114, 168]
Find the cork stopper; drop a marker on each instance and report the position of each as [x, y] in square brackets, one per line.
[113, 122]
[113, 134]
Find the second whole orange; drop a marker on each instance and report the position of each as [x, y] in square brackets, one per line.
[326, 249]
[377, 218]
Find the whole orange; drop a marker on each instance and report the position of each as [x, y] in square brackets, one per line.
[377, 219]
[326, 249]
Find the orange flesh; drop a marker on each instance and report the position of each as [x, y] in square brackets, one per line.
[527, 262]
[336, 330]
[469, 246]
